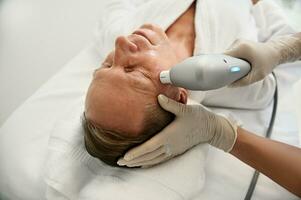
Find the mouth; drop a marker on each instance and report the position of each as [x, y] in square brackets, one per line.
[141, 33]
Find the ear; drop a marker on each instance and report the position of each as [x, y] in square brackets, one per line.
[182, 95]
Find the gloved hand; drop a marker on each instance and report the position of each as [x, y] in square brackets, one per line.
[264, 57]
[193, 124]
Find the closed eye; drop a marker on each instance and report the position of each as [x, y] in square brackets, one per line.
[139, 71]
[128, 69]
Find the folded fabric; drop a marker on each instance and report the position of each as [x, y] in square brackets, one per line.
[71, 173]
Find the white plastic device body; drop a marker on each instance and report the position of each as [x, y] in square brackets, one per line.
[206, 72]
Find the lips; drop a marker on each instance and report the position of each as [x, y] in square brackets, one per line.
[142, 33]
[140, 41]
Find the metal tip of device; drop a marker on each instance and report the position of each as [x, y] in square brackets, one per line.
[164, 77]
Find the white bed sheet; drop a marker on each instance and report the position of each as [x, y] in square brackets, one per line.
[80, 176]
[24, 138]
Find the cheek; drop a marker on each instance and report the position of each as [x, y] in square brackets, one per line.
[155, 61]
[169, 91]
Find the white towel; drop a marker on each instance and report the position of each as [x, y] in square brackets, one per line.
[73, 174]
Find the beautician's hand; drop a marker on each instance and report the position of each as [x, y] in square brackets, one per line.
[193, 124]
[264, 57]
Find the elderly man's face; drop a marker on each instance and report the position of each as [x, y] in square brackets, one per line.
[129, 80]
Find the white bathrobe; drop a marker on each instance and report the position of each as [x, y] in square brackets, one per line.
[73, 174]
[217, 25]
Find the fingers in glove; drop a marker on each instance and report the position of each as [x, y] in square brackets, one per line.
[237, 50]
[150, 145]
[252, 77]
[163, 157]
[171, 105]
[144, 158]
[242, 82]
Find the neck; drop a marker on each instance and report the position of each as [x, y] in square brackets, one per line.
[182, 34]
[183, 28]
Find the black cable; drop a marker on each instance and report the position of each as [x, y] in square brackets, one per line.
[268, 135]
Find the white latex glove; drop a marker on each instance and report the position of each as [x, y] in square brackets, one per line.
[264, 57]
[193, 124]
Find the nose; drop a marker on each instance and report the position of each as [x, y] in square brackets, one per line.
[123, 43]
[124, 52]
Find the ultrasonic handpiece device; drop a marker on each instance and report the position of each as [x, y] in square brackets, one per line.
[206, 72]
[213, 71]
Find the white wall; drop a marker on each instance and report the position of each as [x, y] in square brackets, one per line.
[37, 37]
